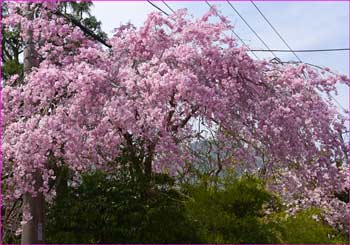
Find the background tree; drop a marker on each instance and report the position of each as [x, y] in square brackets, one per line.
[81, 11]
[12, 47]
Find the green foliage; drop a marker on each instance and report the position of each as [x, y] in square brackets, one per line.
[232, 212]
[127, 208]
[303, 228]
[116, 209]
[12, 67]
[93, 24]
[12, 47]
[81, 11]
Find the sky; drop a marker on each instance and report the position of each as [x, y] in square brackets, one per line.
[304, 25]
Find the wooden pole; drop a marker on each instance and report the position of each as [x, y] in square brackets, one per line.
[34, 230]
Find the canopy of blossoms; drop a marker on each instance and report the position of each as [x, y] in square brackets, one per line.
[83, 106]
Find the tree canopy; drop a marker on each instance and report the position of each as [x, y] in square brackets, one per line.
[84, 107]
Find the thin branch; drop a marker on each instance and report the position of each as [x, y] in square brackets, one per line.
[186, 119]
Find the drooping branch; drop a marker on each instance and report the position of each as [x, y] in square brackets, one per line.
[186, 119]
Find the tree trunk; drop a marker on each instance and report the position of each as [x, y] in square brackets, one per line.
[149, 160]
[34, 230]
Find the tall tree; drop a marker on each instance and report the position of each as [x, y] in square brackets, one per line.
[83, 107]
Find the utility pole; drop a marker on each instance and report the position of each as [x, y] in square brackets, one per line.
[34, 230]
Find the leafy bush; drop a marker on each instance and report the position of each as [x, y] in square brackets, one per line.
[110, 209]
[304, 228]
[232, 212]
[121, 209]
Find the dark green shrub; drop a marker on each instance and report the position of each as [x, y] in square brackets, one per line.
[107, 209]
[121, 209]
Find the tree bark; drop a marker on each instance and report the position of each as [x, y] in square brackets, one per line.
[34, 230]
[149, 160]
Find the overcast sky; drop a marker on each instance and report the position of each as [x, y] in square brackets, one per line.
[304, 25]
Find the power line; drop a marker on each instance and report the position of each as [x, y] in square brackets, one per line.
[256, 34]
[158, 8]
[210, 6]
[168, 6]
[295, 51]
[309, 64]
[324, 69]
[274, 29]
[260, 50]
[302, 50]
[161, 10]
